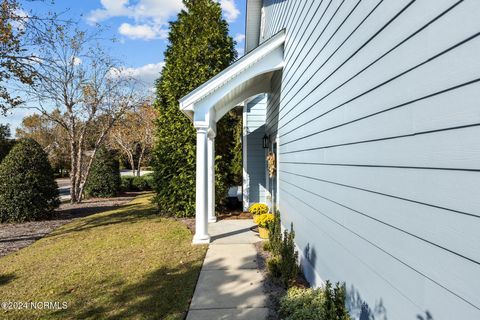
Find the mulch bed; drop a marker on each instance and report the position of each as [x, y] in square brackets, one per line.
[234, 215]
[15, 236]
[222, 215]
[274, 289]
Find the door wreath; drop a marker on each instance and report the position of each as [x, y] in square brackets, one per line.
[272, 166]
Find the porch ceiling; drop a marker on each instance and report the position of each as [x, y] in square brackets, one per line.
[248, 76]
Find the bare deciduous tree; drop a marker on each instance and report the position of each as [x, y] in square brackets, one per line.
[19, 31]
[50, 135]
[134, 135]
[77, 77]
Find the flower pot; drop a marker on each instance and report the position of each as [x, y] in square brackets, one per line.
[263, 232]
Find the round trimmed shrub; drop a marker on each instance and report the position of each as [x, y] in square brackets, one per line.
[28, 190]
[104, 179]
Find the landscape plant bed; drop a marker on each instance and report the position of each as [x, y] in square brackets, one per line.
[15, 236]
[234, 215]
[273, 287]
[125, 263]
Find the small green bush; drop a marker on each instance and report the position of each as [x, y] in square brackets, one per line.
[142, 183]
[126, 183]
[288, 258]
[139, 184]
[150, 181]
[266, 246]
[327, 303]
[284, 264]
[104, 178]
[274, 267]
[302, 304]
[275, 234]
[28, 190]
[258, 208]
[334, 307]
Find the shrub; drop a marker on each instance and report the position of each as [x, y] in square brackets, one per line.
[302, 304]
[258, 208]
[288, 258]
[266, 246]
[139, 184]
[334, 306]
[275, 234]
[126, 183]
[317, 304]
[104, 178]
[150, 181]
[142, 183]
[284, 264]
[28, 190]
[263, 220]
[273, 266]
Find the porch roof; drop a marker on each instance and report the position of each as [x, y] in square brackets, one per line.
[246, 77]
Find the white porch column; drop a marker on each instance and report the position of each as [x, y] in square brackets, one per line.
[201, 226]
[211, 177]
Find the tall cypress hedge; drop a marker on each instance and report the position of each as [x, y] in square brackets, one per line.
[199, 47]
[28, 190]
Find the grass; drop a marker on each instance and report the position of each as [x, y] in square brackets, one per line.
[124, 263]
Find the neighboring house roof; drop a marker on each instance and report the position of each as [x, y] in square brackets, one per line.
[246, 77]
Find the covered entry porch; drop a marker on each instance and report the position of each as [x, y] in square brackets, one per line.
[207, 104]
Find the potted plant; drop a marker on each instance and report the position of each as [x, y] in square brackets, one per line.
[263, 220]
[258, 209]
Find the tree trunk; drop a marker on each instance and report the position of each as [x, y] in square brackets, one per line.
[140, 158]
[86, 171]
[73, 170]
[132, 162]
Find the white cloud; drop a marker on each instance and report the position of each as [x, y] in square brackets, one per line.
[240, 51]
[142, 31]
[230, 10]
[150, 16]
[147, 73]
[239, 37]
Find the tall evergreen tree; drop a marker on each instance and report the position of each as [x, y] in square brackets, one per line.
[199, 48]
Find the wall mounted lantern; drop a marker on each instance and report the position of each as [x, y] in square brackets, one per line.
[266, 141]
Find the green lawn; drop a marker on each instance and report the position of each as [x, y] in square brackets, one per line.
[125, 263]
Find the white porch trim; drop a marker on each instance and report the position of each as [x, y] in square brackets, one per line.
[247, 77]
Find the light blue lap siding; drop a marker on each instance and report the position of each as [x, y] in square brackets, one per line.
[255, 154]
[378, 122]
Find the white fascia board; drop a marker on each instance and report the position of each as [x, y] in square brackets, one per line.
[187, 102]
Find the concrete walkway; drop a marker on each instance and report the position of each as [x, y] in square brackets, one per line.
[230, 286]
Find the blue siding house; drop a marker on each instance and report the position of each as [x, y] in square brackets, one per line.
[372, 109]
[255, 187]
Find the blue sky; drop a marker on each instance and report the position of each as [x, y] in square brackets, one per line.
[140, 26]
